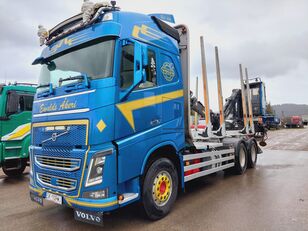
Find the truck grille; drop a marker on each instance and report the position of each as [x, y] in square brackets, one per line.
[59, 136]
[59, 150]
[65, 164]
[57, 182]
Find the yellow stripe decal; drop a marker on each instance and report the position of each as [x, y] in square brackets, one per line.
[71, 201]
[128, 107]
[149, 32]
[92, 205]
[83, 170]
[63, 123]
[19, 132]
[39, 191]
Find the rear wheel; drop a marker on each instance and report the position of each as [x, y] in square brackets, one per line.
[14, 168]
[240, 158]
[160, 188]
[252, 153]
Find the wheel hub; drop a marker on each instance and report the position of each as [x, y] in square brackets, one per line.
[162, 188]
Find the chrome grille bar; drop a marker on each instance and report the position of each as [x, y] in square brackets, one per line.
[61, 183]
[65, 164]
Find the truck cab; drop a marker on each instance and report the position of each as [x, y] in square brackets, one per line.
[15, 123]
[259, 104]
[110, 97]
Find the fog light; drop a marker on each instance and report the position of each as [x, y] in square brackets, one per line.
[100, 194]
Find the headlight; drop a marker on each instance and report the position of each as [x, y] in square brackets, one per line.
[96, 168]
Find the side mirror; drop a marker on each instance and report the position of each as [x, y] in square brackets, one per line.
[145, 62]
[140, 64]
[12, 103]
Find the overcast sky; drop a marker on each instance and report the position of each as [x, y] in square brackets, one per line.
[268, 37]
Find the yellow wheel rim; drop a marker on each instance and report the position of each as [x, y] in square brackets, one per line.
[162, 188]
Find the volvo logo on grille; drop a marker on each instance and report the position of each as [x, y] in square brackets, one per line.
[54, 136]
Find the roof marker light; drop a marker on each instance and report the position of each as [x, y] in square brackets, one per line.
[108, 17]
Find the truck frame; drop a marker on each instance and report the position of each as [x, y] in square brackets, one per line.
[15, 124]
[103, 139]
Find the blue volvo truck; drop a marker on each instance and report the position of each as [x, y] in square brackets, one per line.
[258, 98]
[111, 119]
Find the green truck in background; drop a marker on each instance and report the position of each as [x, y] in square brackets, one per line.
[15, 124]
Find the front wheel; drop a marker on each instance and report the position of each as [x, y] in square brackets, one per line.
[14, 168]
[160, 188]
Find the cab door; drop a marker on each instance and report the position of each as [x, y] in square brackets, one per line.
[139, 107]
[18, 110]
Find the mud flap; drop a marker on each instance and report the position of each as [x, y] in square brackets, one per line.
[259, 151]
[89, 217]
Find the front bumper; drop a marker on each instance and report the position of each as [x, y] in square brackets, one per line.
[95, 205]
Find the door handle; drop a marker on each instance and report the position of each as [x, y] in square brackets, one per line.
[155, 122]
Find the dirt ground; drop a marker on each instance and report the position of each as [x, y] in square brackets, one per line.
[288, 139]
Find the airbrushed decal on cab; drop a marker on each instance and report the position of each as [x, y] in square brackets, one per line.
[168, 71]
[19, 133]
[70, 41]
[66, 104]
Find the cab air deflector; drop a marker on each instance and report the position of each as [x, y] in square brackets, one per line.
[166, 28]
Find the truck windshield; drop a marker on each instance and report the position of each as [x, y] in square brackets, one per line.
[96, 61]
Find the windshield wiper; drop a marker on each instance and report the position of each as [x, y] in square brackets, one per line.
[84, 77]
[43, 86]
[71, 78]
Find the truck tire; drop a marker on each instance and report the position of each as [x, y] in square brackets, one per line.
[240, 158]
[160, 188]
[15, 172]
[252, 150]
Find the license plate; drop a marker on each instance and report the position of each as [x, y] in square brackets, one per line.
[89, 217]
[36, 198]
[54, 198]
